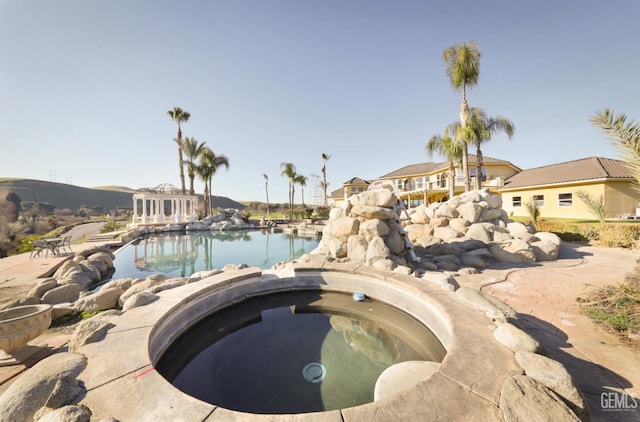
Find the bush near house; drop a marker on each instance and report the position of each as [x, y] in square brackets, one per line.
[612, 235]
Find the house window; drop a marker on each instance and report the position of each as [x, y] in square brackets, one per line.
[565, 199]
[516, 201]
[419, 180]
[472, 173]
[442, 180]
[539, 199]
[399, 184]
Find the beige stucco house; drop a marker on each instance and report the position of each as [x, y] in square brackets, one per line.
[425, 183]
[555, 188]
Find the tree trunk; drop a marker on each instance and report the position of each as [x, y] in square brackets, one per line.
[206, 198]
[324, 187]
[478, 169]
[210, 195]
[266, 190]
[181, 159]
[464, 118]
[452, 180]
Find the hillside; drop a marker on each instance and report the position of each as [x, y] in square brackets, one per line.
[63, 196]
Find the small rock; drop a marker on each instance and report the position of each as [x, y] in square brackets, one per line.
[516, 339]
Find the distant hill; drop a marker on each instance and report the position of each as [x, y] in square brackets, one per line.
[63, 196]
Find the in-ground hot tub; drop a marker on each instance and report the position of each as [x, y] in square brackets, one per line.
[295, 352]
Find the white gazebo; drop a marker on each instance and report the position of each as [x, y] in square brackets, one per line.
[163, 204]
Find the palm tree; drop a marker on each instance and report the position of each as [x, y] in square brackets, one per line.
[192, 150]
[209, 165]
[463, 70]
[302, 181]
[482, 128]
[180, 116]
[447, 146]
[266, 190]
[325, 158]
[625, 137]
[289, 171]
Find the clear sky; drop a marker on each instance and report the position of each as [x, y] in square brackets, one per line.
[85, 85]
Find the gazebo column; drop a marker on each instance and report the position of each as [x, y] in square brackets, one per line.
[161, 211]
[144, 211]
[135, 210]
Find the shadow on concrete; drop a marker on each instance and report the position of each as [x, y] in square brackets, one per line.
[592, 379]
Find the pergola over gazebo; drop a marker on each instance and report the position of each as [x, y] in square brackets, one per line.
[162, 205]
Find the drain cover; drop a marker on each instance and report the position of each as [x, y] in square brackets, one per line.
[314, 372]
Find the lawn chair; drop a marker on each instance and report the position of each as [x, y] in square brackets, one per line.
[37, 247]
[65, 245]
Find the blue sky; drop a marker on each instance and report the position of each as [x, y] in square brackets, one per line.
[86, 85]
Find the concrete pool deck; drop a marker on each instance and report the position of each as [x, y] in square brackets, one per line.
[544, 295]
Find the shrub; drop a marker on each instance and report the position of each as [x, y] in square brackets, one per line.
[322, 212]
[619, 235]
[109, 226]
[570, 232]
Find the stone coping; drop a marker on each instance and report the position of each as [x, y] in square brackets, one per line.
[121, 381]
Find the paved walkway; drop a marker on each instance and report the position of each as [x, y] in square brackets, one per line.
[544, 294]
[545, 297]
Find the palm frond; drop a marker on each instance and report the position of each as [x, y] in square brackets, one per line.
[624, 135]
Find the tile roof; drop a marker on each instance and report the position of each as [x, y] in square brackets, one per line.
[430, 167]
[590, 168]
[356, 181]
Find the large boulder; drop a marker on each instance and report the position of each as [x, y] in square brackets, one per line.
[525, 399]
[357, 248]
[139, 299]
[555, 377]
[379, 197]
[470, 211]
[42, 287]
[446, 233]
[92, 330]
[377, 250]
[517, 251]
[482, 232]
[545, 250]
[395, 242]
[62, 294]
[70, 413]
[336, 247]
[516, 339]
[372, 211]
[101, 300]
[373, 228]
[344, 227]
[29, 392]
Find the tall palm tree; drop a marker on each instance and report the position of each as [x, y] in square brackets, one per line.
[289, 171]
[482, 128]
[207, 168]
[447, 146]
[266, 190]
[302, 181]
[625, 137]
[463, 70]
[192, 150]
[180, 116]
[325, 158]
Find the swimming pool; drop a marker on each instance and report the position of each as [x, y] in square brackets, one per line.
[180, 255]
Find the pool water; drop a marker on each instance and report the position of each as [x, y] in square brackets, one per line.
[295, 352]
[180, 255]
